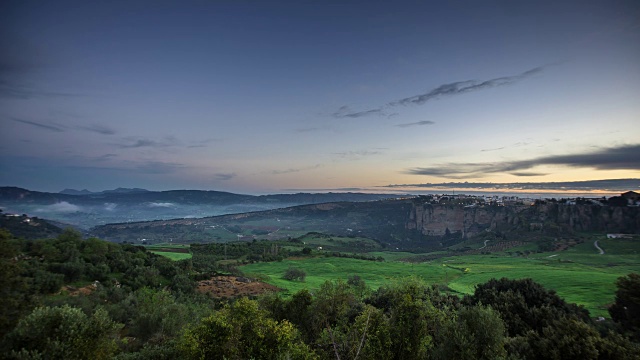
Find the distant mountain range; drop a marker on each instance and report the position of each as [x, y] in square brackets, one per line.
[114, 191]
[86, 209]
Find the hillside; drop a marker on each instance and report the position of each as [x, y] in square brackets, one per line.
[26, 227]
[399, 222]
[121, 205]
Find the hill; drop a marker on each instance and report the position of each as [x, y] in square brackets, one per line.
[402, 223]
[26, 227]
[90, 209]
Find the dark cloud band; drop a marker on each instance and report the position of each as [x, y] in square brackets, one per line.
[625, 157]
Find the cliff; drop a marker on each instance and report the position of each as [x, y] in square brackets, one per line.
[435, 220]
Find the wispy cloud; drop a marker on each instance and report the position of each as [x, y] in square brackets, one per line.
[8, 90]
[346, 112]
[105, 157]
[224, 176]
[295, 170]
[203, 143]
[418, 123]
[444, 90]
[50, 127]
[518, 144]
[494, 149]
[626, 157]
[134, 142]
[463, 87]
[96, 128]
[359, 154]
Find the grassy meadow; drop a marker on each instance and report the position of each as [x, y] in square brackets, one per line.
[174, 252]
[578, 274]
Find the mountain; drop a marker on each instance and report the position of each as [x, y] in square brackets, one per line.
[114, 191]
[405, 223]
[75, 192]
[122, 205]
[125, 191]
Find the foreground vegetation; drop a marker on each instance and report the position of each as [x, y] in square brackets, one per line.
[143, 306]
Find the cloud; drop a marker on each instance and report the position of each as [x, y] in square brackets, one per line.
[8, 90]
[494, 149]
[585, 185]
[139, 143]
[110, 206]
[295, 170]
[345, 112]
[419, 123]
[203, 143]
[161, 204]
[463, 87]
[626, 157]
[61, 128]
[62, 206]
[518, 173]
[354, 155]
[54, 128]
[518, 144]
[105, 157]
[444, 90]
[224, 176]
[103, 130]
[134, 143]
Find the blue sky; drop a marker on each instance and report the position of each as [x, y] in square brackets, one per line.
[248, 97]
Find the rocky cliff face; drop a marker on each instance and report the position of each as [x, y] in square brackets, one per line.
[435, 220]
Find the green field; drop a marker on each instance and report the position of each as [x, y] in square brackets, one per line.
[175, 256]
[178, 254]
[579, 274]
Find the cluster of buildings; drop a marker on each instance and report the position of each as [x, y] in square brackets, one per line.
[629, 198]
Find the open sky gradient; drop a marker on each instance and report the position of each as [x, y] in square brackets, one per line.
[258, 97]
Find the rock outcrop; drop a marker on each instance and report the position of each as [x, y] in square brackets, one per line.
[438, 220]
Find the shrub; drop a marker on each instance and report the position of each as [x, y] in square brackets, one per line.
[294, 274]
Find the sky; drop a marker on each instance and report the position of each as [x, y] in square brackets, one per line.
[268, 97]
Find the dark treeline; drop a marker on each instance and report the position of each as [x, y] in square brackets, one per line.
[144, 307]
[210, 258]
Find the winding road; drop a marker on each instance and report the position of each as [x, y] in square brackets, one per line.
[595, 243]
[485, 245]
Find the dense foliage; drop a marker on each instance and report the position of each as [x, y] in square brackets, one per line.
[137, 305]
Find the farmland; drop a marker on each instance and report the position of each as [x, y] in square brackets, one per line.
[579, 274]
[174, 252]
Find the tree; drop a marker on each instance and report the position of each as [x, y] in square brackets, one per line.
[524, 304]
[294, 274]
[243, 331]
[473, 333]
[626, 309]
[63, 333]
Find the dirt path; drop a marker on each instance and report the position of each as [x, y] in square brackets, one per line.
[485, 245]
[595, 243]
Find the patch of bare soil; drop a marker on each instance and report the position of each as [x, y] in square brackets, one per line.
[233, 286]
[74, 291]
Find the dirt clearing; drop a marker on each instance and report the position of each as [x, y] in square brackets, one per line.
[233, 286]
